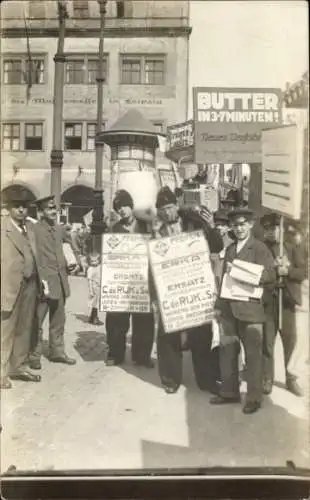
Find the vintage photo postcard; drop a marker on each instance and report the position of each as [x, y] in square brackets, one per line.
[154, 237]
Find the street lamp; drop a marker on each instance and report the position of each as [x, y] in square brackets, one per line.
[98, 225]
[57, 153]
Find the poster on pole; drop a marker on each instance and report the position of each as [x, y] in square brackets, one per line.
[282, 169]
[124, 275]
[184, 280]
[228, 122]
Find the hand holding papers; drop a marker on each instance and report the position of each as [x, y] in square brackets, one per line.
[241, 281]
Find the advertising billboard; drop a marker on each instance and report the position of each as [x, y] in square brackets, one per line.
[228, 122]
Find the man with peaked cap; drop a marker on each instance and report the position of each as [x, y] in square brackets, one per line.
[244, 321]
[53, 274]
[291, 271]
[117, 323]
[19, 289]
[173, 221]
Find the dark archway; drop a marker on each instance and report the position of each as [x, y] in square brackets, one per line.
[18, 188]
[81, 199]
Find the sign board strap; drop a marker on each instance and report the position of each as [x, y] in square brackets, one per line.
[281, 279]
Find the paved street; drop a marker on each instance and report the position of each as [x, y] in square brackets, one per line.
[91, 416]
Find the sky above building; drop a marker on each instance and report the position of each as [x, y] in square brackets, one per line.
[247, 43]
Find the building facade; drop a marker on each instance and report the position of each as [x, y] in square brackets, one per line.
[146, 49]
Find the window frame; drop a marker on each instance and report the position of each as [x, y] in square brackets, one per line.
[86, 58]
[72, 123]
[143, 58]
[80, 6]
[33, 124]
[23, 59]
[11, 137]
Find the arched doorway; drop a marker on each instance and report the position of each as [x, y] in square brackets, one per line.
[18, 188]
[81, 199]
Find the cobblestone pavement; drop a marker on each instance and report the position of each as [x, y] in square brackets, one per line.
[90, 416]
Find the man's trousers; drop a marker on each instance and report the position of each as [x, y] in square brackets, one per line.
[17, 328]
[251, 336]
[57, 319]
[169, 352]
[117, 326]
[288, 335]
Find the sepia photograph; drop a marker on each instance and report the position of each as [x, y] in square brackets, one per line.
[154, 237]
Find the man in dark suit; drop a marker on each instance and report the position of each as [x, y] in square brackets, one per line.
[19, 290]
[243, 321]
[117, 323]
[173, 221]
[53, 275]
[291, 271]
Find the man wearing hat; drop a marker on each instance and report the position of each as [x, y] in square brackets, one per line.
[291, 271]
[53, 275]
[169, 346]
[243, 321]
[19, 290]
[117, 323]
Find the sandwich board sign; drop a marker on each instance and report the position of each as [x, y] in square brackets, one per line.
[282, 169]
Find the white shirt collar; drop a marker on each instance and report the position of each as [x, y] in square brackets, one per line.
[241, 244]
[16, 225]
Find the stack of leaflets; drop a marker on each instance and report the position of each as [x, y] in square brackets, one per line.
[241, 281]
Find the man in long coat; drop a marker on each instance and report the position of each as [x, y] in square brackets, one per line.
[244, 321]
[19, 290]
[117, 323]
[291, 268]
[53, 274]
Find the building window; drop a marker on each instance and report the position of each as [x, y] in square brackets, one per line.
[16, 71]
[154, 71]
[11, 137]
[83, 70]
[91, 134]
[148, 70]
[33, 137]
[120, 10]
[12, 71]
[75, 72]
[73, 136]
[80, 8]
[37, 9]
[159, 126]
[131, 70]
[37, 71]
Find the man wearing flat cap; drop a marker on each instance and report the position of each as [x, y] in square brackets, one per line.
[19, 290]
[53, 275]
[244, 321]
[172, 221]
[291, 271]
[117, 323]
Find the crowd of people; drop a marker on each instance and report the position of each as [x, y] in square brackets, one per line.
[35, 283]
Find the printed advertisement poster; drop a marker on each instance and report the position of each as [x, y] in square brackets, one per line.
[228, 122]
[124, 280]
[184, 280]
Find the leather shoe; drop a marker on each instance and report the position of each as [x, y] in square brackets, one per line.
[293, 387]
[113, 362]
[25, 376]
[35, 364]
[97, 322]
[5, 383]
[251, 407]
[171, 389]
[220, 400]
[63, 359]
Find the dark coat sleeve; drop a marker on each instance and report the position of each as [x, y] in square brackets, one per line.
[297, 270]
[264, 257]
